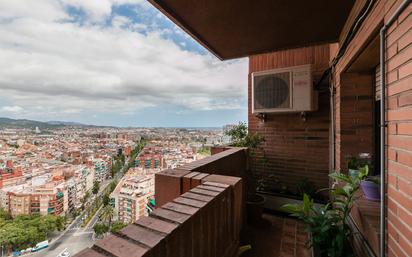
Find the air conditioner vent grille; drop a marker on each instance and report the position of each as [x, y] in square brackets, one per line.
[272, 91]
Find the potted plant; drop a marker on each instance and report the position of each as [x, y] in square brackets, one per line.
[329, 231]
[240, 137]
[353, 167]
[355, 163]
[277, 193]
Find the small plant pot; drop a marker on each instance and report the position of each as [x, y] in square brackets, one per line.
[254, 208]
[353, 173]
[371, 190]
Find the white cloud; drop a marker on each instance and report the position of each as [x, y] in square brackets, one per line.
[45, 10]
[60, 68]
[11, 109]
[98, 9]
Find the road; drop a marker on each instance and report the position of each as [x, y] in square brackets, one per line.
[75, 238]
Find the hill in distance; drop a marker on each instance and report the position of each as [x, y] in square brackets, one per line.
[25, 123]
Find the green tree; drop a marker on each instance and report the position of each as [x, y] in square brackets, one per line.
[107, 214]
[96, 187]
[106, 199]
[113, 185]
[4, 214]
[100, 229]
[60, 223]
[240, 137]
[26, 230]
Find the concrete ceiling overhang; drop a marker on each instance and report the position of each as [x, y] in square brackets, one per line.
[239, 28]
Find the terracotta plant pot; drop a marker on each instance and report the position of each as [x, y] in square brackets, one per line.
[254, 208]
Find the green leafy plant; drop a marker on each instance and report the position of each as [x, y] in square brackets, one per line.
[117, 226]
[100, 229]
[304, 186]
[240, 137]
[327, 224]
[356, 163]
[364, 172]
[106, 199]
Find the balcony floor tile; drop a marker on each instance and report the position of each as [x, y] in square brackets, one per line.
[277, 237]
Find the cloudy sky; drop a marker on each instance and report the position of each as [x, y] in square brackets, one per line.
[111, 62]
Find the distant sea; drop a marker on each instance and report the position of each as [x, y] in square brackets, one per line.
[197, 128]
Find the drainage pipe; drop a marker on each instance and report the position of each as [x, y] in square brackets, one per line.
[383, 125]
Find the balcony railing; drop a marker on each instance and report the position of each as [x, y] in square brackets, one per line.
[200, 213]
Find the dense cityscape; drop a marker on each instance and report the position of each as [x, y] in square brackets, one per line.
[62, 187]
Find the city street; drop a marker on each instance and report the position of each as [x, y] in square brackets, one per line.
[75, 238]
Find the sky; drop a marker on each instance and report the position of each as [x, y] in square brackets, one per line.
[112, 62]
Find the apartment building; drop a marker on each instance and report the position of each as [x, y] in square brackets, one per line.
[101, 169]
[131, 196]
[47, 199]
[19, 203]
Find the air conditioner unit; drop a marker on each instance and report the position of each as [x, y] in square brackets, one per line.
[283, 90]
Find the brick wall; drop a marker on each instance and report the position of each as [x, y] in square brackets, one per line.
[231, 162]
[204, 221]
[399, 116]
[294, 148]
[399, 138]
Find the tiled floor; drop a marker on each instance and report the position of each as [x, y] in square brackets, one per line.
[276, 237]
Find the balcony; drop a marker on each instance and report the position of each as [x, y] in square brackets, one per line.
[362, 108]
[201, 212]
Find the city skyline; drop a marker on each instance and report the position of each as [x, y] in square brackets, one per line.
[113, 63]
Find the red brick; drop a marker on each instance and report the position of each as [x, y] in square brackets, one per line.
[405, 40]
[190, 202]
[405, 158]
[168, 185]
[392, 154]
[405, 100]
[142, 235]
[187, 181]
[405, 186]
[392, 76]
[393, 102]
[392, 50]
[405, 70]
[170, 215]
[402, 57]
[402, 142]
[400, 114]
[400, 170]
[393, 180]
[180, 208]
[120, 247]
[400, 30]
[393, 244]
[157, 224]
[392, 206]
[399, 197]
[405, 216]
[393, 128]
[405, 128]
[198, 197]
